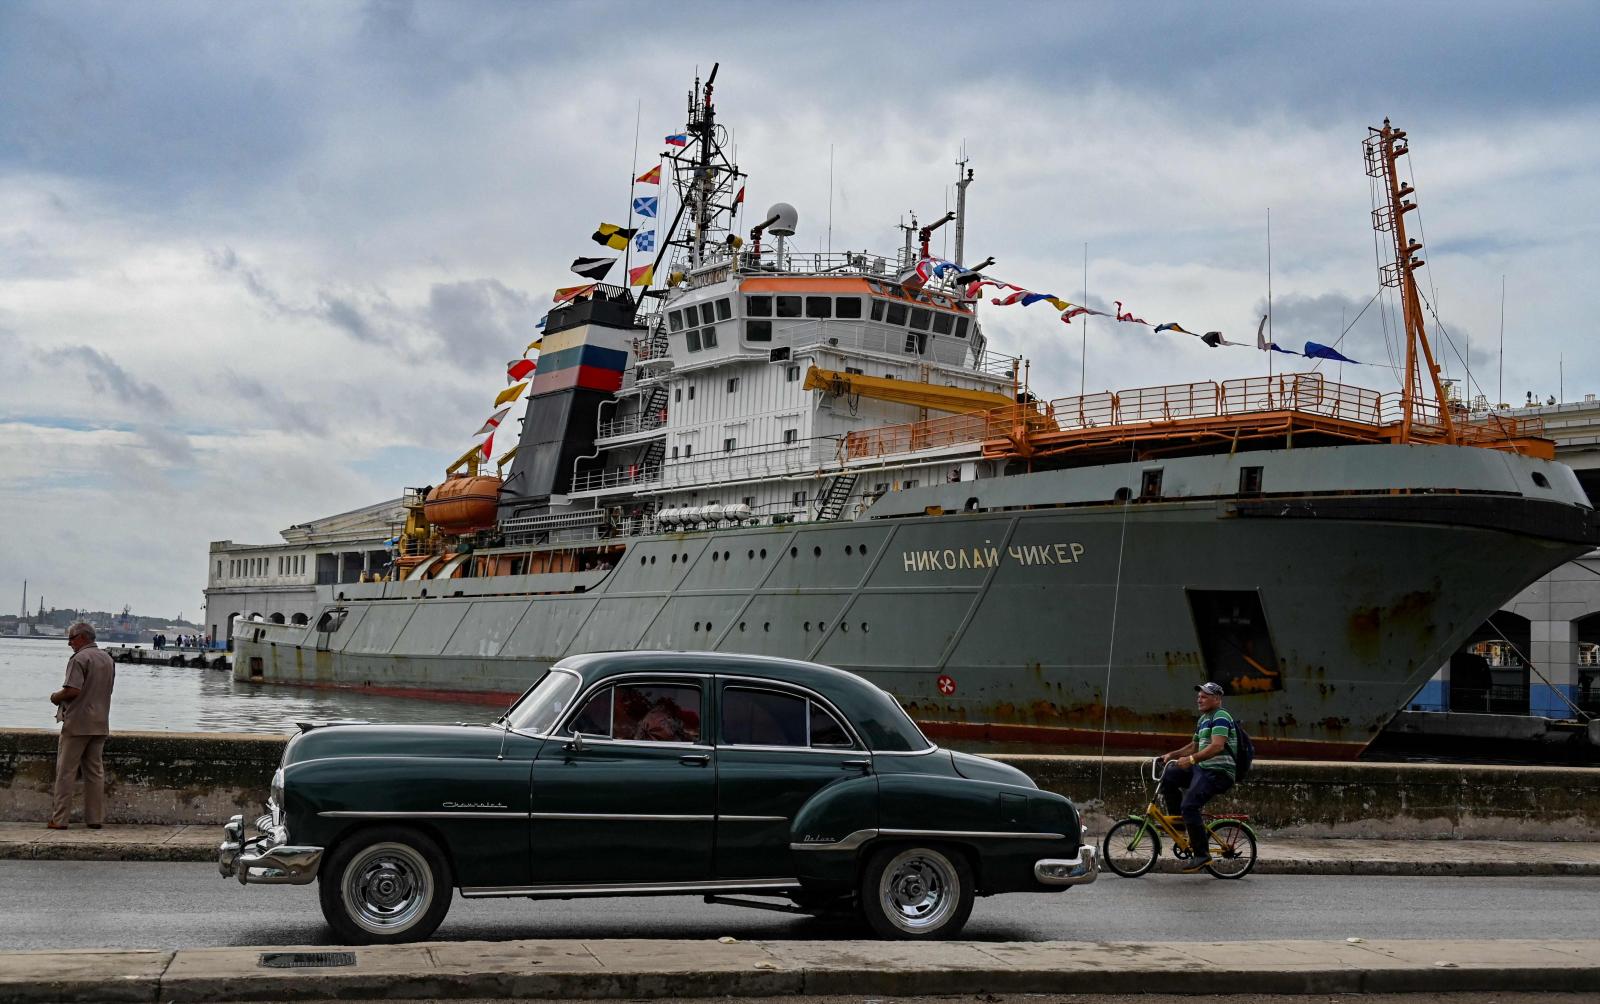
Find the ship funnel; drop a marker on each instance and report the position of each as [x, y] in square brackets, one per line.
[786, 219]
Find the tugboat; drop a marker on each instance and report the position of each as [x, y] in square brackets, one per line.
[820, 455]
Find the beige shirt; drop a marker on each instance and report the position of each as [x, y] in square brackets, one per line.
[94, 674]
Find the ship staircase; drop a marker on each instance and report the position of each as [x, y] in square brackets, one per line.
[831, 504]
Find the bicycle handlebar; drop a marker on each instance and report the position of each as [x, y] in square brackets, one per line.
[1156, 768]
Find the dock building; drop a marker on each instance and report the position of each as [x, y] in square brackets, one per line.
[1554, 624]
[277, 583]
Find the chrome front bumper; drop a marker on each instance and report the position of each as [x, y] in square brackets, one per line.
[1081, 870]
[264, 859]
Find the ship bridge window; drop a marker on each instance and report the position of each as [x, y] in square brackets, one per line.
[961, 326]
[758, 306]
[877, 309]
[675, 320]
[788, 306]
[709, 337]
[331, 620]
[758, 331]
[693, 340]
[724, 309]
[819, 306]
[943, 323]
[1235, 643]
[1540, 480]
[792, 374]
[1250, 481]
[921, 318]
[896, 313]
[847, 307]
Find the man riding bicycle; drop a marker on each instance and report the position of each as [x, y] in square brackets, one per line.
[1202, 770]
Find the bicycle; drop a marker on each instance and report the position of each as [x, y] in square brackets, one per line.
[1132, 845]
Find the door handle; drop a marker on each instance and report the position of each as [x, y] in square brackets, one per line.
[695, 759]
[864, 766]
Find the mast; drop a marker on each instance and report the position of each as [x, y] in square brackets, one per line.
[961, 209]
[1384, 147]
[705, 179]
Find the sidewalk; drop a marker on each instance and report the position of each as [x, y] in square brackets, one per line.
[1278, 855]
[633, 969]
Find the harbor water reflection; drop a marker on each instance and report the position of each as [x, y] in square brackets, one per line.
[170, 698]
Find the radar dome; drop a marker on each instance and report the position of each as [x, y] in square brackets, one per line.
[788, 219]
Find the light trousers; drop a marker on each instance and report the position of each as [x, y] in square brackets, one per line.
[75, 753]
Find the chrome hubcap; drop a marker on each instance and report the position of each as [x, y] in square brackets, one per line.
[919, 890]
[388, 887]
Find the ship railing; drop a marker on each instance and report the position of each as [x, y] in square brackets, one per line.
[616, 477]
[632, 423]
[951, 430]
[758, 463]
[1304, 394]
[891, 342]
[653, 346]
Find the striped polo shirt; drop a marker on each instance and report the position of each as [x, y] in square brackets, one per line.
[1213, 724]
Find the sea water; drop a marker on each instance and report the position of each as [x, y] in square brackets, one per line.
[181, 699]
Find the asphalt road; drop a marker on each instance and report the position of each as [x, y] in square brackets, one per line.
[104, 904]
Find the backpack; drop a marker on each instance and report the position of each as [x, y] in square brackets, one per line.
[1244, 753]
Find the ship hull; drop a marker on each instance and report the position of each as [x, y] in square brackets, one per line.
[1051, 626]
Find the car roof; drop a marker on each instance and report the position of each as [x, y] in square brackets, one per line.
[871, 709]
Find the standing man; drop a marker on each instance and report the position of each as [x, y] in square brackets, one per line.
[84, 707]
[1201, 770]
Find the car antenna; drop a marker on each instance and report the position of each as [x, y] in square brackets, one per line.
[505, 730]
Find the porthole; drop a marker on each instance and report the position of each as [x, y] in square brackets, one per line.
[863, 627]
[652, 559]
[863, 550]
[847, 550]
[708, 627]
[844, 626]
[763, 553]
[822, 625]
[741, 625]
[697, 625]
[674, 559]
[816, 551]
[751, 555]
[713, 556]
[1540, 480]
[794, 552]
[808, 625]
[766, 626]
[644, 560]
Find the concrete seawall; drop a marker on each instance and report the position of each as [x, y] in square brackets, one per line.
[176, 778]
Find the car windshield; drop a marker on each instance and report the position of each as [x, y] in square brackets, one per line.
[541, 706]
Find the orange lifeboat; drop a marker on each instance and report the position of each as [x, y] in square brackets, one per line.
[463, 504]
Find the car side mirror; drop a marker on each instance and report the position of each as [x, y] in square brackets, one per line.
[575, 744]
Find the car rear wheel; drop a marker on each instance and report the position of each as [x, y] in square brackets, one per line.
[917, 893]
[384, 886]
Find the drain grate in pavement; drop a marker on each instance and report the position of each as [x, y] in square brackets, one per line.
[306, 960]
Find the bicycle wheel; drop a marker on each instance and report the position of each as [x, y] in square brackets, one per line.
[1233, 849]
[1131, 847]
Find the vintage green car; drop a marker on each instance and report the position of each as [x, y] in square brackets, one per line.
[659, 773]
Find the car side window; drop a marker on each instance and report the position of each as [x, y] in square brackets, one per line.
[826, 731]
[656, 712]
[763, 718]
[595, 718]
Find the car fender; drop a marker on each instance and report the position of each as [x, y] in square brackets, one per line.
[827, 835]
[475, 807]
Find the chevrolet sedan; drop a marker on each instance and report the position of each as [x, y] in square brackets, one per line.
[746, 780]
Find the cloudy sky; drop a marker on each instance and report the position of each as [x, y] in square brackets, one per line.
[265, 262]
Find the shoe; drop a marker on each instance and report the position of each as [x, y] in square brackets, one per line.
[94, 826]
[1196, 865]
[53, 826]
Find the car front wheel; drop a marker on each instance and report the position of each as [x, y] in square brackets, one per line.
[917, 893]
[384, 886]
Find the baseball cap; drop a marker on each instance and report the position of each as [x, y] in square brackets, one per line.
[1214, 689]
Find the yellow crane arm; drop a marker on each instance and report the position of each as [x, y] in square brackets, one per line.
[956, 400]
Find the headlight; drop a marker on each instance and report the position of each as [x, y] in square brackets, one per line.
[276, 801]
